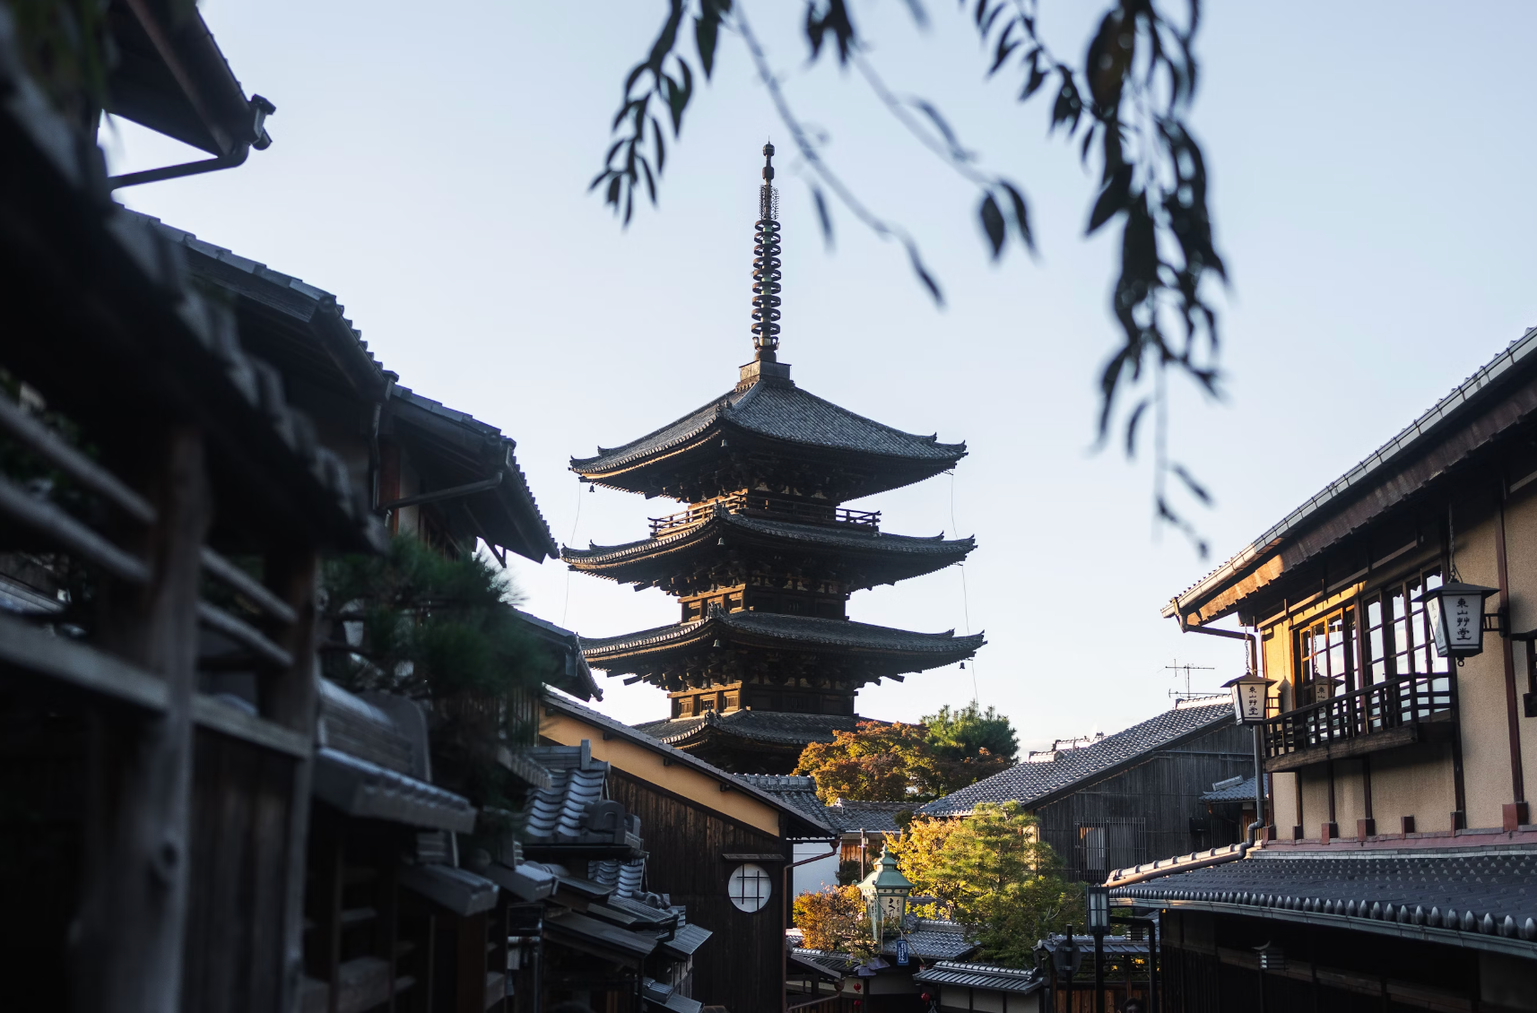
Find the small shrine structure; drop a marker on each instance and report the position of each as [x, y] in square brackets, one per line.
[764, 658]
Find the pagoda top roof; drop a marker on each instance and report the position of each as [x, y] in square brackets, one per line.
[774, 409]
[794, 632]
[815, 536]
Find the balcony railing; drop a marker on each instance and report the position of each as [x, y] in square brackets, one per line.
[1414, 708]
[755, 504]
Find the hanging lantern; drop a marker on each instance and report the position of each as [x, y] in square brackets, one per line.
[1249, 695]
[1456, 613]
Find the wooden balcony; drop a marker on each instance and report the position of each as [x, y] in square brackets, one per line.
[1386, 715]
[754, 504]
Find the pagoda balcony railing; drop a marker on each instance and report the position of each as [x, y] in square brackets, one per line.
[754, 504]
[1413, 708]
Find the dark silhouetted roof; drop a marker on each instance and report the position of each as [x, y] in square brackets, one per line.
[1458, 894]
[755, 725]
[805, 633]
[1032, 783]
[888, 557]
[319, 342]
[781, 412]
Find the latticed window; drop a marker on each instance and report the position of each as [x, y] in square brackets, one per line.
[1112, 843]
[749, 887]
[1326, 656]
[1385, 636]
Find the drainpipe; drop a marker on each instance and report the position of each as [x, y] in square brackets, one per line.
[260, 110]
[784, 920]
[1254, 666]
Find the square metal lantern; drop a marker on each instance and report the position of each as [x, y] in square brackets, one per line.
[1456, 614]
[1098, 903]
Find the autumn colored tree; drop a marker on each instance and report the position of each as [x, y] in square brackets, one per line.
[880, 762]
[918, 852]
[835, 920]
[992, 872]
[876, 762]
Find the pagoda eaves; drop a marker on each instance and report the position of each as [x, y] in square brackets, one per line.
[724, 548]
[730, 647]
[774, 434]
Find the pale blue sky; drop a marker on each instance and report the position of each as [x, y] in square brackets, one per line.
[1370, 169]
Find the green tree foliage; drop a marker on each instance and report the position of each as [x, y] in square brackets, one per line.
[440, 630]
[911, 763]
[970, 743]
[992, 872]
[835, 920]
[1124, 106]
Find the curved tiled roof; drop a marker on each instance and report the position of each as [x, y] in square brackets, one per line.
[638, 736]
[1030, 783]
[845, 817]
[1484, 897]
[922, 555]
[985, 976]
[1477, 389]
[777, 411]
[800, 632]
[757, 725]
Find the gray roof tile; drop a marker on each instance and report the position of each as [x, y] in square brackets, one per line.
[1471, 890]
[558, 812]
[1029, 783]
[998, 979]
[639, 737]
[845, 816]
[1243, 791]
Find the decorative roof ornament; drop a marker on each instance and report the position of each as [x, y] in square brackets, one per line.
[765, 266]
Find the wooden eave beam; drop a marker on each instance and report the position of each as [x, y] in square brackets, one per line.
[1392, 489]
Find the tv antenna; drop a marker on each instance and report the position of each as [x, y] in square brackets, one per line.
[1187, 669]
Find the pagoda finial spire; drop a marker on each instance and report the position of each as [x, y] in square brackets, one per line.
[765, 266]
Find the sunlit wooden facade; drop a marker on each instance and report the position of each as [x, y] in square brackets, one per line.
[1400, 868]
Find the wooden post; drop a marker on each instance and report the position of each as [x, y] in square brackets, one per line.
[128, 950]
[291, 699]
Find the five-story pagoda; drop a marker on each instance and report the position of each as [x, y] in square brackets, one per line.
[764, 659]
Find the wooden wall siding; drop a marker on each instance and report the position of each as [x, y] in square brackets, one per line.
[236, 897]
[1208, 965]
[43, 785]
[741, 966]
[1148, 808]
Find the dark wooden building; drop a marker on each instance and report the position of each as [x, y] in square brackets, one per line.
[1123, 798]
[764, 658]
[716, 845]
[161, 519]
